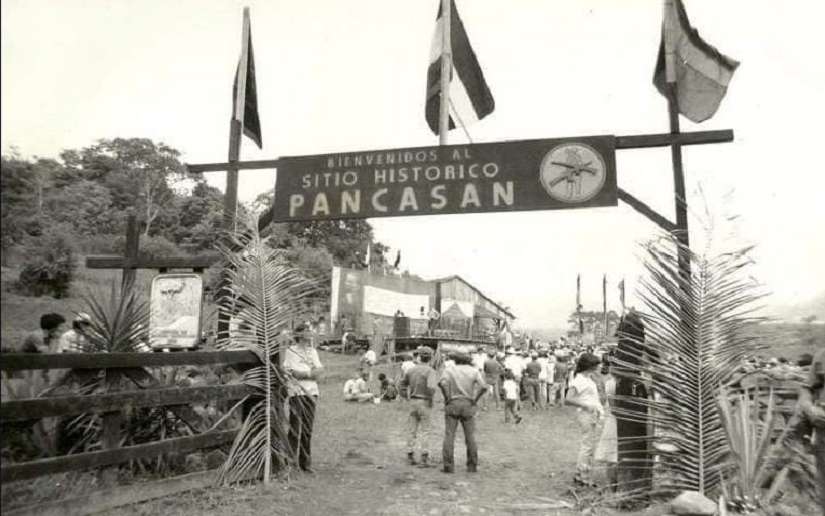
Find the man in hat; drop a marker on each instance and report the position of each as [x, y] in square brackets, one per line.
[532, 371]
[492, 377]
[418, 385]
[76, 340]
[303, 368]
[462, 387]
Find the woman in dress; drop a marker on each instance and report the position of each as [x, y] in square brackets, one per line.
[583, 392]
[607, 447]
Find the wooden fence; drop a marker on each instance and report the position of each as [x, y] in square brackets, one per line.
[149, 392]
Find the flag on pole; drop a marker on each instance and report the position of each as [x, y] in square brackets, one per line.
[701, 72]
[604, 292]
[397, 259]
[369, 257]
[470, 97]
[244, 89]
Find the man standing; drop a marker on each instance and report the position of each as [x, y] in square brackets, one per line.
[812, 404]
[492, 377]
[462, 387]
[532, 372]
[303, 368]
[418, 385]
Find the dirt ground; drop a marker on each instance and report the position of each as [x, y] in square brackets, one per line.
[359, 461]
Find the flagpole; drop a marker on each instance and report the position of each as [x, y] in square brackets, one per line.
[446, 71]
[604, 306]
[680, 198]
[230, 198]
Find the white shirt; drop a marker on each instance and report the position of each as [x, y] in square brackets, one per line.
[543, 373]
[550, 367]
[406, 365]
[369, 357]
[586, 390]
[514, 363]
[510, 388]
[478, 361]
[301, 359]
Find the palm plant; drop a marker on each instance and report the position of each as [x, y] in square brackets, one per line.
[118, 320]
[266, 295]
[750, 425]
[695, 326]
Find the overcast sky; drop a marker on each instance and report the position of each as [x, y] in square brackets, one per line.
[350, 75]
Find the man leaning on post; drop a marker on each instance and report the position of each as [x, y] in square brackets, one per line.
[462, 387]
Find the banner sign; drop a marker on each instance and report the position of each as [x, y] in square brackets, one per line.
[553, 174]
[175, 311]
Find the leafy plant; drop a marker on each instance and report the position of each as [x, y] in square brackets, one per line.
[51, 266]
[695, 326]
[118, 319]
[266, 294]
[754, 449]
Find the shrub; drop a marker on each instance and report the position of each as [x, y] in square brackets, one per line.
[50, 266]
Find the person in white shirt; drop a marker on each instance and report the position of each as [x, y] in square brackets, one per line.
[356, 389]
[583, 392]
[511, 397]
[552, 386]
[479, 357]
[543, 362]
[303, 368]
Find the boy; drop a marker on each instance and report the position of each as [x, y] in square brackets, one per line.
[511, 396]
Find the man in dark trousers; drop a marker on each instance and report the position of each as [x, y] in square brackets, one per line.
[634, 464]
[303, 368]
[462, 386]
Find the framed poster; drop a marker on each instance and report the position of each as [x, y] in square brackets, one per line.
[175, 306]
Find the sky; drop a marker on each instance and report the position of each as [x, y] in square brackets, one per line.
[338, 76]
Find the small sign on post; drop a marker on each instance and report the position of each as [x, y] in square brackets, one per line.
[175, 311]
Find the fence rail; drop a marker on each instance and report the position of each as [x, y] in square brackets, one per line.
[112, 405]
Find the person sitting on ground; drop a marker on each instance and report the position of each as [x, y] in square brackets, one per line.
[76, 340]
[47, 338]
[356, 389]
[388, 389]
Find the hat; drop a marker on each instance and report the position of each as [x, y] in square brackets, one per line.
[424, 350]
[534, 355]
[509, 351]
[83, 317]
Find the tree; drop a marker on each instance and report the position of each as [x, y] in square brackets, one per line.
[137, 171]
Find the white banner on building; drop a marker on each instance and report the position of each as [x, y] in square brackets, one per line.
[387, 302]
[467, 307]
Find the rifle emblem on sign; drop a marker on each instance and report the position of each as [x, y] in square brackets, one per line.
[572, 172]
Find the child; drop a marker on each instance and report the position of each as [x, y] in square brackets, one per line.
[388, 390]
[511, 396]
[584, 394]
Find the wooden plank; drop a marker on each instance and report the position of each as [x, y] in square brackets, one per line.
[98, 459]
[240, 165]
[646, 210]
[642, 141]
[107, 499]
[35, 408]
[24, 361]
[170, 262]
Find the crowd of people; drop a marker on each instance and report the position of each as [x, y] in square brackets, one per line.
[511, 381]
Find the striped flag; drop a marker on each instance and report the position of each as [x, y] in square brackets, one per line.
[470, 97]
[244, 90]
[701, 72]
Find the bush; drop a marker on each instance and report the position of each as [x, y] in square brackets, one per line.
[50, 265]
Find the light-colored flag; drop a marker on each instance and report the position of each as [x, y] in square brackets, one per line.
[701, 73]
[470, 97]
[369, 256]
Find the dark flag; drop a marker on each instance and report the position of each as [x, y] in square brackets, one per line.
[397, 259]
[701, 72]
[470, 97]
[245, 81]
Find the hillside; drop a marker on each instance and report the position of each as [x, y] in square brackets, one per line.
[797, 311]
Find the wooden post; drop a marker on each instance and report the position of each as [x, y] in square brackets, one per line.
[604, 307]
[131, 254]
[446, 71]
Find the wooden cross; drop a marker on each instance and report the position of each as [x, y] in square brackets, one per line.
[130, 262]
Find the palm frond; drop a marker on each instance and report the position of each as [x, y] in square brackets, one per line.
[265, 294]
[695, 338]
